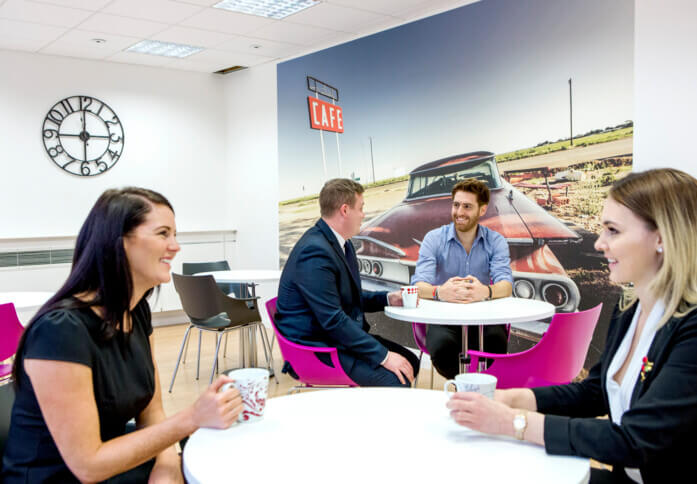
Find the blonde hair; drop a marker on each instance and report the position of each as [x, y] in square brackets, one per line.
[666, 200]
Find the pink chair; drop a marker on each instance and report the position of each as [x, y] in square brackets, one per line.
[10, 332]
[419, 332]
[311, 372]
[555, 360]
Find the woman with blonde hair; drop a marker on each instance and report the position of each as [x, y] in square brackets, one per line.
[646, 379]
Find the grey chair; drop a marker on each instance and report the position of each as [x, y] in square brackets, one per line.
[191, 268]
[7, 398]
[209, 309]
[240, 290]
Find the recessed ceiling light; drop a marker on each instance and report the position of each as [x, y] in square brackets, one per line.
[99, 41]
[276, 9]
[167, 49]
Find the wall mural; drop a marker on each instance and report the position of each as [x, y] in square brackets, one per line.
[534, 97]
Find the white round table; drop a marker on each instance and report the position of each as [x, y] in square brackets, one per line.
[244, 275]
[26, 302]
[368, 435]
[497, 311]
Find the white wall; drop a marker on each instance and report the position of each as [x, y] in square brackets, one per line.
[252, 165]
[665, 84]
[175, 141]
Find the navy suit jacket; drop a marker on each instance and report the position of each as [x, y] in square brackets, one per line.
[658, 431]
[320, 301]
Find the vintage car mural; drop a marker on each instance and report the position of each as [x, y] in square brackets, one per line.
[388, 245]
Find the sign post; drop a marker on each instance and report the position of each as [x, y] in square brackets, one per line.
[325, 116]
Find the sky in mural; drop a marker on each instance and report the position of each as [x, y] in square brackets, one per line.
[488, 76]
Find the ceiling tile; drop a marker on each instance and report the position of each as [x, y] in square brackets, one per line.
[140, 59]
[78, 43]
[294, 33]
[190, 36]
[336, 17]
[187, 65]
[203, 3]
[434, 7]
[15, 43]
[30, 31]
[266, 47]
[42, 13]
[164, 11]
[227, 58]
[388, 7]
[226, 21]
[115, 24]
[93, 5]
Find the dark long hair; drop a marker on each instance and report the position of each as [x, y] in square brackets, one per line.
[100, 266]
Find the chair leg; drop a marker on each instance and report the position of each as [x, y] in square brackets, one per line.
[243, 348]
[198, 359]
[181, 350]
[186, 348]
[416, 380]
[215, 361]
[431, 375]
[269, 354]
[225, 347]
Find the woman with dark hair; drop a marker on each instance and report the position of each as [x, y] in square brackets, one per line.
[646, 379]
[85, 366]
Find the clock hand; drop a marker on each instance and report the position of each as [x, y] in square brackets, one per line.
[84, 142]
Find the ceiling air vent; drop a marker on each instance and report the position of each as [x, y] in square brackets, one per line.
[228, 70]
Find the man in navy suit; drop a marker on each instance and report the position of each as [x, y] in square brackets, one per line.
[320, 300]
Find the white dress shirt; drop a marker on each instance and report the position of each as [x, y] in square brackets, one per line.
[620, 395]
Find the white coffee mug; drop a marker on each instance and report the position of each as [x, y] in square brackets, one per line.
[472, 382]
[410, 296]
[253, 385]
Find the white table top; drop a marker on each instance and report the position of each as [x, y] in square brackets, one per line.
[244, 275]
[25, 300]
[498, 311]
[368, 435]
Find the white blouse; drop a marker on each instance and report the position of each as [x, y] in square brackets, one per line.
[620, 395]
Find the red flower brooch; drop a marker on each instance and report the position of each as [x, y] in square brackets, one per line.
[646, 366]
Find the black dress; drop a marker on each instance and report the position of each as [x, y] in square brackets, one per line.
[123, 380]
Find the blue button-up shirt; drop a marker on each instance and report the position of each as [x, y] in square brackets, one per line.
[442, 256]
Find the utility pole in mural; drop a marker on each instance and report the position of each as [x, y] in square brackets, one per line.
[325, 116]
[571, 117]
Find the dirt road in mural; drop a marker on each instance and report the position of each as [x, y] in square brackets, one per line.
[582, 209]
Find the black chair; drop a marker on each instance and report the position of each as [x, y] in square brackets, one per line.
[239, 289]
[209, 309]
[7, 398]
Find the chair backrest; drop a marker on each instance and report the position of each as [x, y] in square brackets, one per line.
[10, 330]
[562, 350]
[556, 359]
[419, 332]
[310, 369]
[202, 299]
[191, 268]
[7, 398]
[240, 289]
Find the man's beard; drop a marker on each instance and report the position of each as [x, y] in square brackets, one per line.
[466, 227]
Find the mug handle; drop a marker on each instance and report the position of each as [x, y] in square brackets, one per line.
[446, 384]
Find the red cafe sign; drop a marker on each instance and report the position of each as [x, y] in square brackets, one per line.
[325, 116]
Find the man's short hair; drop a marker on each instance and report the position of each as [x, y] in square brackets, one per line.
[335, 193]
[472, 185]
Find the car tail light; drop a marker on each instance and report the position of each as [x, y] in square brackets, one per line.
[377, 269]
[366, 266]
[524, 289]
[555, 294]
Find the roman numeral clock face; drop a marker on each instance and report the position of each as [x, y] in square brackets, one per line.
[83, 135]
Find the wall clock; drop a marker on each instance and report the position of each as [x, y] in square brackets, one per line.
[83, 135]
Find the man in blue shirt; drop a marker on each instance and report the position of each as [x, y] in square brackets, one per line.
[463, 262]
